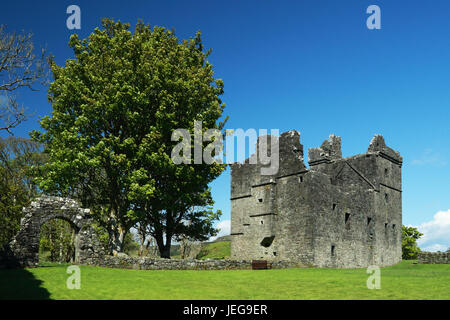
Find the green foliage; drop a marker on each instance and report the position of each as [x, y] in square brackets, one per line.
[12, 199]
[130, 246]
[18, 156]
[57, 238]
[115, 107]
[410, 235]
[215, 250]
[102, 234]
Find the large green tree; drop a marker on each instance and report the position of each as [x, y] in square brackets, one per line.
[115, 107]
[410, 235]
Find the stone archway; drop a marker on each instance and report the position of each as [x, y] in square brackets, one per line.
[24, 249]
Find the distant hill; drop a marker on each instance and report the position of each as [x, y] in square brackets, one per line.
[218, 249]
[224, 238]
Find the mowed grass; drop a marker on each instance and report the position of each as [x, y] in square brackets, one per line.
[215, 250]
[403, 281]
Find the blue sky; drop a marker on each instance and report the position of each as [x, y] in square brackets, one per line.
[312, 66]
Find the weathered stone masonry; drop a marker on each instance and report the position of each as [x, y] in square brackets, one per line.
[125, 262]
[434, 257]
[341, 212]
[24, 249]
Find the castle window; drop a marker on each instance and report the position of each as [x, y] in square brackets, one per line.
[260, 200]
[334, 206]
[393, 227]
[275, 254]
[370, 228]
[386, 171]
[347, 218]
[333, 250]
[385, 226]
[262, 222]
[386, 197]
[300, 179]
[267, 241]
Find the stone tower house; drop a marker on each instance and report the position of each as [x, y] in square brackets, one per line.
[341, 212]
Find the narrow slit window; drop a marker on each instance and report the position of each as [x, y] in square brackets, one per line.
[347, 218]
[333, 249]
[334, 206]
[369, 220]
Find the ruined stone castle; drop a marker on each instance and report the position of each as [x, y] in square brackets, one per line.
[341, 212]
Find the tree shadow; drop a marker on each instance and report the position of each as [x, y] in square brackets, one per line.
[21, 284]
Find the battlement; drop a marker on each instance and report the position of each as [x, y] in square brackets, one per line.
[327, 159]
[328, 151]
[378, 146]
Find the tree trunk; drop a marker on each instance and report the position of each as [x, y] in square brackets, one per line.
[71, 257]
[116, 240]
[142, 236]
[165, 252]
[61, 245]
[52, 246]
[182, 249]
[167, 246]
[141, 249]
[151, 247]
[185, 248]
[164, 249]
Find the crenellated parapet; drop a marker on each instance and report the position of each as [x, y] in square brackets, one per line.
[329, 150]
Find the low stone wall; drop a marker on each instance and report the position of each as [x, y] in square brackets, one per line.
[187, 264]
[434, 257]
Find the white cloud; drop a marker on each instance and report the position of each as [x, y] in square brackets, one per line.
[224, 229]
[429, 157]
[436, 233]
[435, 247]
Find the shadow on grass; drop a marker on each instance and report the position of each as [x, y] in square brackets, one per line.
[20, 284]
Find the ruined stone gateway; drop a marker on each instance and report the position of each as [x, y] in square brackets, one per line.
[341, 212]
[23, 251]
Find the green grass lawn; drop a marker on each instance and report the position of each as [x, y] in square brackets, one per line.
[215, 250]
[403, 281]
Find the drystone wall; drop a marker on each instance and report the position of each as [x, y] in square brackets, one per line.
[433, 257]
[142, 263]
